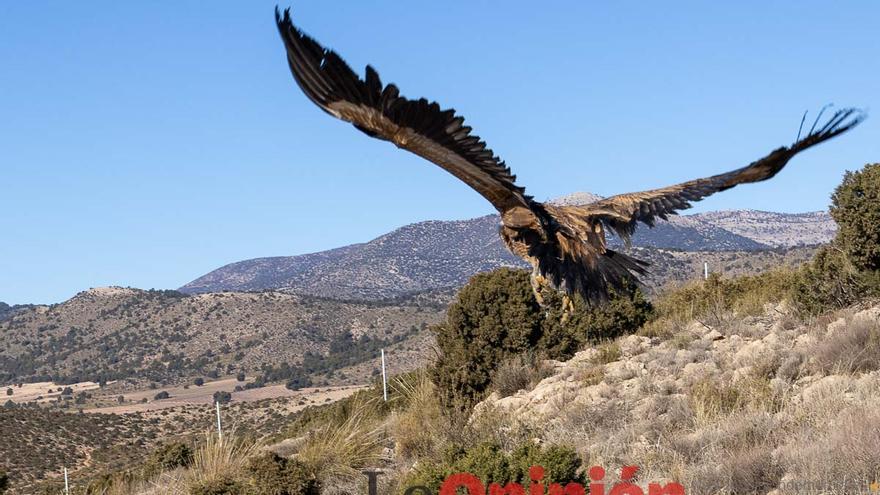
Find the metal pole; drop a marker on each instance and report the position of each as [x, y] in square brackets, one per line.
[219, 426]
[384, 378]
[705, 270]
[66, 483]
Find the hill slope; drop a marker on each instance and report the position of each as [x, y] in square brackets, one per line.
[764, 404]
[115, 333]
[440, 254]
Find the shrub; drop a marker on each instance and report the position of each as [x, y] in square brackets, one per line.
[8, 391]
[496, 317]
[829, 282]
[4, 481]
[198, 382]
[222, 397]
[624, 313]
[169, 456]
[298, 383]
[240, 377]
[270, 474]
[162, 395]
[855, 206]
[489, 462]
[225, 485]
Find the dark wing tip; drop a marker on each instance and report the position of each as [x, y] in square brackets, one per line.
[841, 121]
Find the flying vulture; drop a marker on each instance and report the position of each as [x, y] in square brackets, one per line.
[565, 245]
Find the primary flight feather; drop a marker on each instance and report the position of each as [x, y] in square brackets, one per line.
[565, 245]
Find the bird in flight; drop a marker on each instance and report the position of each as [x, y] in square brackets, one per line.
[565, 245]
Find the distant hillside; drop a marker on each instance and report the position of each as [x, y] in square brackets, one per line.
[118, 333]
[438, 254]
[7, 311]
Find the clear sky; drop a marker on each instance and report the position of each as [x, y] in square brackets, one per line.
[146, 143]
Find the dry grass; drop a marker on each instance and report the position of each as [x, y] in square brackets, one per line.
[220, 459]
[416, 428]
[838, 454]
[607, 353]
[854, 349]
[341, 449]
[590, 376]
[717, 301]
[712, 399]
[519, 373]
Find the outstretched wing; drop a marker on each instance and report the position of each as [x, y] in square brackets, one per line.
[418, 126]
[622, 212]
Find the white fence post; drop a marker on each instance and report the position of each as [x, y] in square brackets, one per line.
[219, 426]
[384, 378]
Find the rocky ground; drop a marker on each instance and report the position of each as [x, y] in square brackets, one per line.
[768, 404]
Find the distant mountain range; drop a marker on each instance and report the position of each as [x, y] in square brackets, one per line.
[439, 254]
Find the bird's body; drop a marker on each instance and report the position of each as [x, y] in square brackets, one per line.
[566, 245]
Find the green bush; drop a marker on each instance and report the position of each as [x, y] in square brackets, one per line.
[855, 206]
[218, 486]
[491, 464]
[496, 317]
[624, 313]
[830, 281]
[270, 474]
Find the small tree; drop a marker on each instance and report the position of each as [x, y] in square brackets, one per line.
[4, 481]
[162, 395]
[8, 391]
[240, 377]
[496, 317]
[198, 382]
[222, 397]
[855, 206]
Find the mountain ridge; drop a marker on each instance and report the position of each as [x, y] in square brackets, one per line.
[436, 254]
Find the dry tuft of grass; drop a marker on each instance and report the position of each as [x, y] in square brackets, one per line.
[519, 373]
[341, 449]
[415, 428]
[854, 349]
[712, 399]
[219, 461]
[608, 353]
[591, 376]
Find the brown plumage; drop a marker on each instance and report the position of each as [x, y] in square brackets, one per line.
[564, 244]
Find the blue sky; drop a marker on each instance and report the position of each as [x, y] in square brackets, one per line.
[146, 143]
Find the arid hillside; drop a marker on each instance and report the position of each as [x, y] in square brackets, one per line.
[764, 404]
[118, 333]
